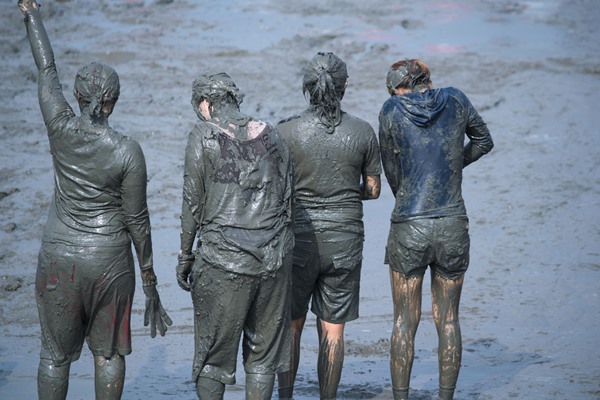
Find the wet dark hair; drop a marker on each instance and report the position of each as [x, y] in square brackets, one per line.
[216, 88]
[222, 94]
[324, 83]
[95, 85]
[410, 74]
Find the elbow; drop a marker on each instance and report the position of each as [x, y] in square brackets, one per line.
[487, 144]
[371, 188]
[484, 146]
[374, 195]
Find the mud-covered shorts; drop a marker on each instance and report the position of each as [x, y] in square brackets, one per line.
[441, 243]
[327, 267]
[227, 304]
[84, 293]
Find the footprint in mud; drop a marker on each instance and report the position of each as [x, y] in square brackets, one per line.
[488, 364]
[378, 348]
[10, 283]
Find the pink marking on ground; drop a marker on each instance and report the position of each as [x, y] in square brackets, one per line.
[444, 48]
[376, 34]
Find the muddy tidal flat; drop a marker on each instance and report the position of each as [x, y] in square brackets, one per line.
[530, 309]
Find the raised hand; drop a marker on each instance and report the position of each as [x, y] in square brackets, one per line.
[27, 5]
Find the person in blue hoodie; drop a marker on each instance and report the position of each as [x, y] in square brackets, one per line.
[422, 140]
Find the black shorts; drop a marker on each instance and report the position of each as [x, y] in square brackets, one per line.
[327, 267]
[440, 243]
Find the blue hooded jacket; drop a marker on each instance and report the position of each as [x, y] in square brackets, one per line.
[422, 140]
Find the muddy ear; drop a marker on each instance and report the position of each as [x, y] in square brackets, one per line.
[79, 99]
[109, 106]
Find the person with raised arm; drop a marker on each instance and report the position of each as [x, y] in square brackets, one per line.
[85, 279]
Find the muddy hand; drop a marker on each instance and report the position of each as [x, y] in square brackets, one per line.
[27, 5]
[184, 267]
[155, 315]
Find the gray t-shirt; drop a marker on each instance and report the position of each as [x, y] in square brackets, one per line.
[328, 169]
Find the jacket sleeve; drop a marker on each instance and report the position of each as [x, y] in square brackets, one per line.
[193, 193]
[480, 139]
[135, 207]
[388, 149]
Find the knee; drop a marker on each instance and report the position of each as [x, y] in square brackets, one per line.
[259, 386]
[53, 381]
[110, 367]
[47, 370]
[297, 326]
[267, 379]
[209, 389]
[332, 332]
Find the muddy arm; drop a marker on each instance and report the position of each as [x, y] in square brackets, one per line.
[389, 154]
[480, 142]
[189, 228]
[191, 209]
[290, 186]
[137, 219]
[193, 193]
[480, 139]
[135, 210]
[38, 38]
[370, 187]
[51, 98]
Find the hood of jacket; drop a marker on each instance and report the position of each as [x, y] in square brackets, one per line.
[422, 109]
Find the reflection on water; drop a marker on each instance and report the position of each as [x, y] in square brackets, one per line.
[514, 29]
[450, 27]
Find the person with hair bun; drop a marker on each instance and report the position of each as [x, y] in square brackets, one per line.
[337, 165]
[422, 132]
[237, 200]
[85, 277]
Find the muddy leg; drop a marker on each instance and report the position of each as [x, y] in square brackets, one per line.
[331, 357]
[445, 295]
[259, 386]
[285, 380]
[406, 294]
[109, 377]
[209, 389]
[53, 382]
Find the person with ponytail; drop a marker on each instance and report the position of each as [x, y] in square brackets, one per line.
[422, 135]
[337, 165]
[85, 278]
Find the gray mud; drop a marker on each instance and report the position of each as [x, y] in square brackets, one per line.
[531, 300]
